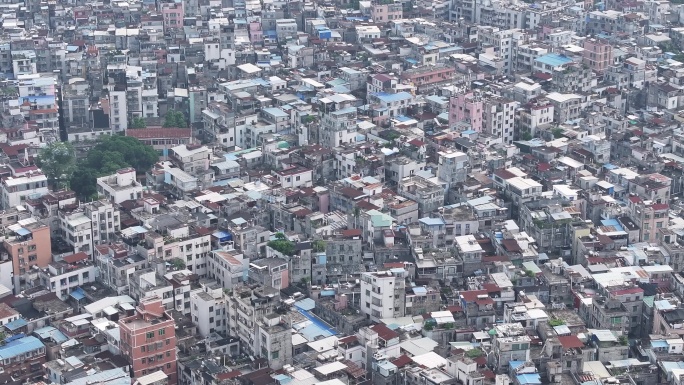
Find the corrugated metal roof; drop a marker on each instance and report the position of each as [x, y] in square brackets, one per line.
[19, 347]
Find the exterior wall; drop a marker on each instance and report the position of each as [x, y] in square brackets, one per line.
[16, 190]
[27, 252]
[147, 344]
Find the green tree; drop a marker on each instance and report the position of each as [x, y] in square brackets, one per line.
[83, 183]
[175, 119]
[111, 154]
[58, 162]
[137, 122]
[178, 264]
[282, 245]
[557, 132]
[318, 246]
[474, 353]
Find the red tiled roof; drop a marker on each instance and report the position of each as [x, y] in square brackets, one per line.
[348, 339]
[511, 245]
[471, 295]
[351, 233]
[543, 167]
[402, 361]
[159, 133]
[75, 257]
[570, 342]
[504, 174]
[416, 142]
[384, 332]
[229, 375]
[632, 290]
[660, 206]
[542, 76]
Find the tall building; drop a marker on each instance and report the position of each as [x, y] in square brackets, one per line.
[382, 294]
[29, 248]
[338, 120]
[148, 340]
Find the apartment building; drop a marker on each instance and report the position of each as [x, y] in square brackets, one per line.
[148, 340]
[193, 159]
[227, 267]
[383, 294]
[62, 277]
[23, 358]
[17, 188]
[29, 248]
[121, 186]
[116, 264]
[426, 193]
[209, 309]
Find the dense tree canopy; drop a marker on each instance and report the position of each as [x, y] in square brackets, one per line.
[58, 162]
[111, 154]
[138, 123]
[175, 119]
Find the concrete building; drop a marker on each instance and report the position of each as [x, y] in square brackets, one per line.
[598, 54]
[452, 167]
[28, 246]
[120, 187]
[63, 276]
[148, 340]
[382, 294]
[227, 267]
[209, 309]
[427, 194]
[16, 189]
[23, 358]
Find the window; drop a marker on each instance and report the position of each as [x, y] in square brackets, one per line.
[161, 332]
[275, 355]
[150, 335]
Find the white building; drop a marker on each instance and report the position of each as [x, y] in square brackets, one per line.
[62, 277]
[294, 177]
[120, 187]
[382, 294]
[7, 314]
[16, 189]
[208, 308]
[227, 267]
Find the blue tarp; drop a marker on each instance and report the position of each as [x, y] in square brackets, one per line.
[78, 294]
[223, 236]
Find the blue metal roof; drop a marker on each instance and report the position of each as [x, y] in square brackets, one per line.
[532, 378]
[19, 347]
[50, 332]
[305, 304]
[386, 97]
[16, 324]
[432, 221]
[22, 231]
[554, 60]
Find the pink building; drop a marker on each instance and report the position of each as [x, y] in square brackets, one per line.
[384, 13]
[466, 107]
[256, 35]
[173, 14]
[598, 54]
[148, 340]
